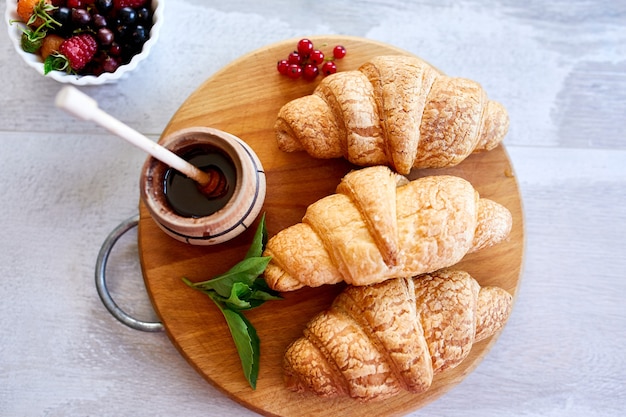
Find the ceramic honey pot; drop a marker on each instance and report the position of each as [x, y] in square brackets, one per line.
[190, 215]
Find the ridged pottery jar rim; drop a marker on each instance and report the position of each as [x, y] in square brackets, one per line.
[228, 222]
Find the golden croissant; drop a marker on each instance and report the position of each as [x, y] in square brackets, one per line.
[394, 110]
[379, 225]
[377, 341]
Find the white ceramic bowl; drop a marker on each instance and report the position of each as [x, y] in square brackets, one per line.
[34, 60]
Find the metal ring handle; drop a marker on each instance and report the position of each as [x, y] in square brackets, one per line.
[101, 285]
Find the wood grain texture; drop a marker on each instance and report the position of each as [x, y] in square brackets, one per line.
[245, 102]
[557, 66]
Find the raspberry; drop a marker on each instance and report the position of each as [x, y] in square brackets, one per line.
[120, 28]
[119, 4]
[31, 41]
[79, 50]
[35, 13]
[26, 9]
[50, 45]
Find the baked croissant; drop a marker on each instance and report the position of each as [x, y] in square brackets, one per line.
[395, 110]
[379, 225]
[376, 341]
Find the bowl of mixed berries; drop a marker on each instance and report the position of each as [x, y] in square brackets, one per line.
[84, 42]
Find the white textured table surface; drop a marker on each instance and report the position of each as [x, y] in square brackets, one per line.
[560, 69]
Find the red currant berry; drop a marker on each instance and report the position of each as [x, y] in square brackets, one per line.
[329, 67]
[294, 71]
[283, 66]
[316, 57]
[305, 47]
[310, 72]
[115, 49]
[339, 52]
[294, 58]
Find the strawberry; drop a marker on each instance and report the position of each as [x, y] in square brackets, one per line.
[118, 4]
[74, 54]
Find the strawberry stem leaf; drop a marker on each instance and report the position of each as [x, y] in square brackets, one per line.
[56, 62]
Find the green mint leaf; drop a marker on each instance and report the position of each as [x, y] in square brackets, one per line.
[260, 287]
[259, 240]
[245, 271]
[246, 299]
[252, 266]
[238, 295]
[247, 343]
[260, 295]
[254, 304]
[261, 284]
[242, 288]
[258, 298]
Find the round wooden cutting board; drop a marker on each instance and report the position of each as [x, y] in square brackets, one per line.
[244, 99]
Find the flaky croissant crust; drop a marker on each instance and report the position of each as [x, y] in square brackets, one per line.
[379, 226]
[376, 341]
[394, 110]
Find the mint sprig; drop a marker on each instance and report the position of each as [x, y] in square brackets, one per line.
[242, 288]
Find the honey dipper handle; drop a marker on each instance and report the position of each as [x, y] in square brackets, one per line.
[84, 107]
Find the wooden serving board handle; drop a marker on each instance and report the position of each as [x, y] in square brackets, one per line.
[243, 99]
